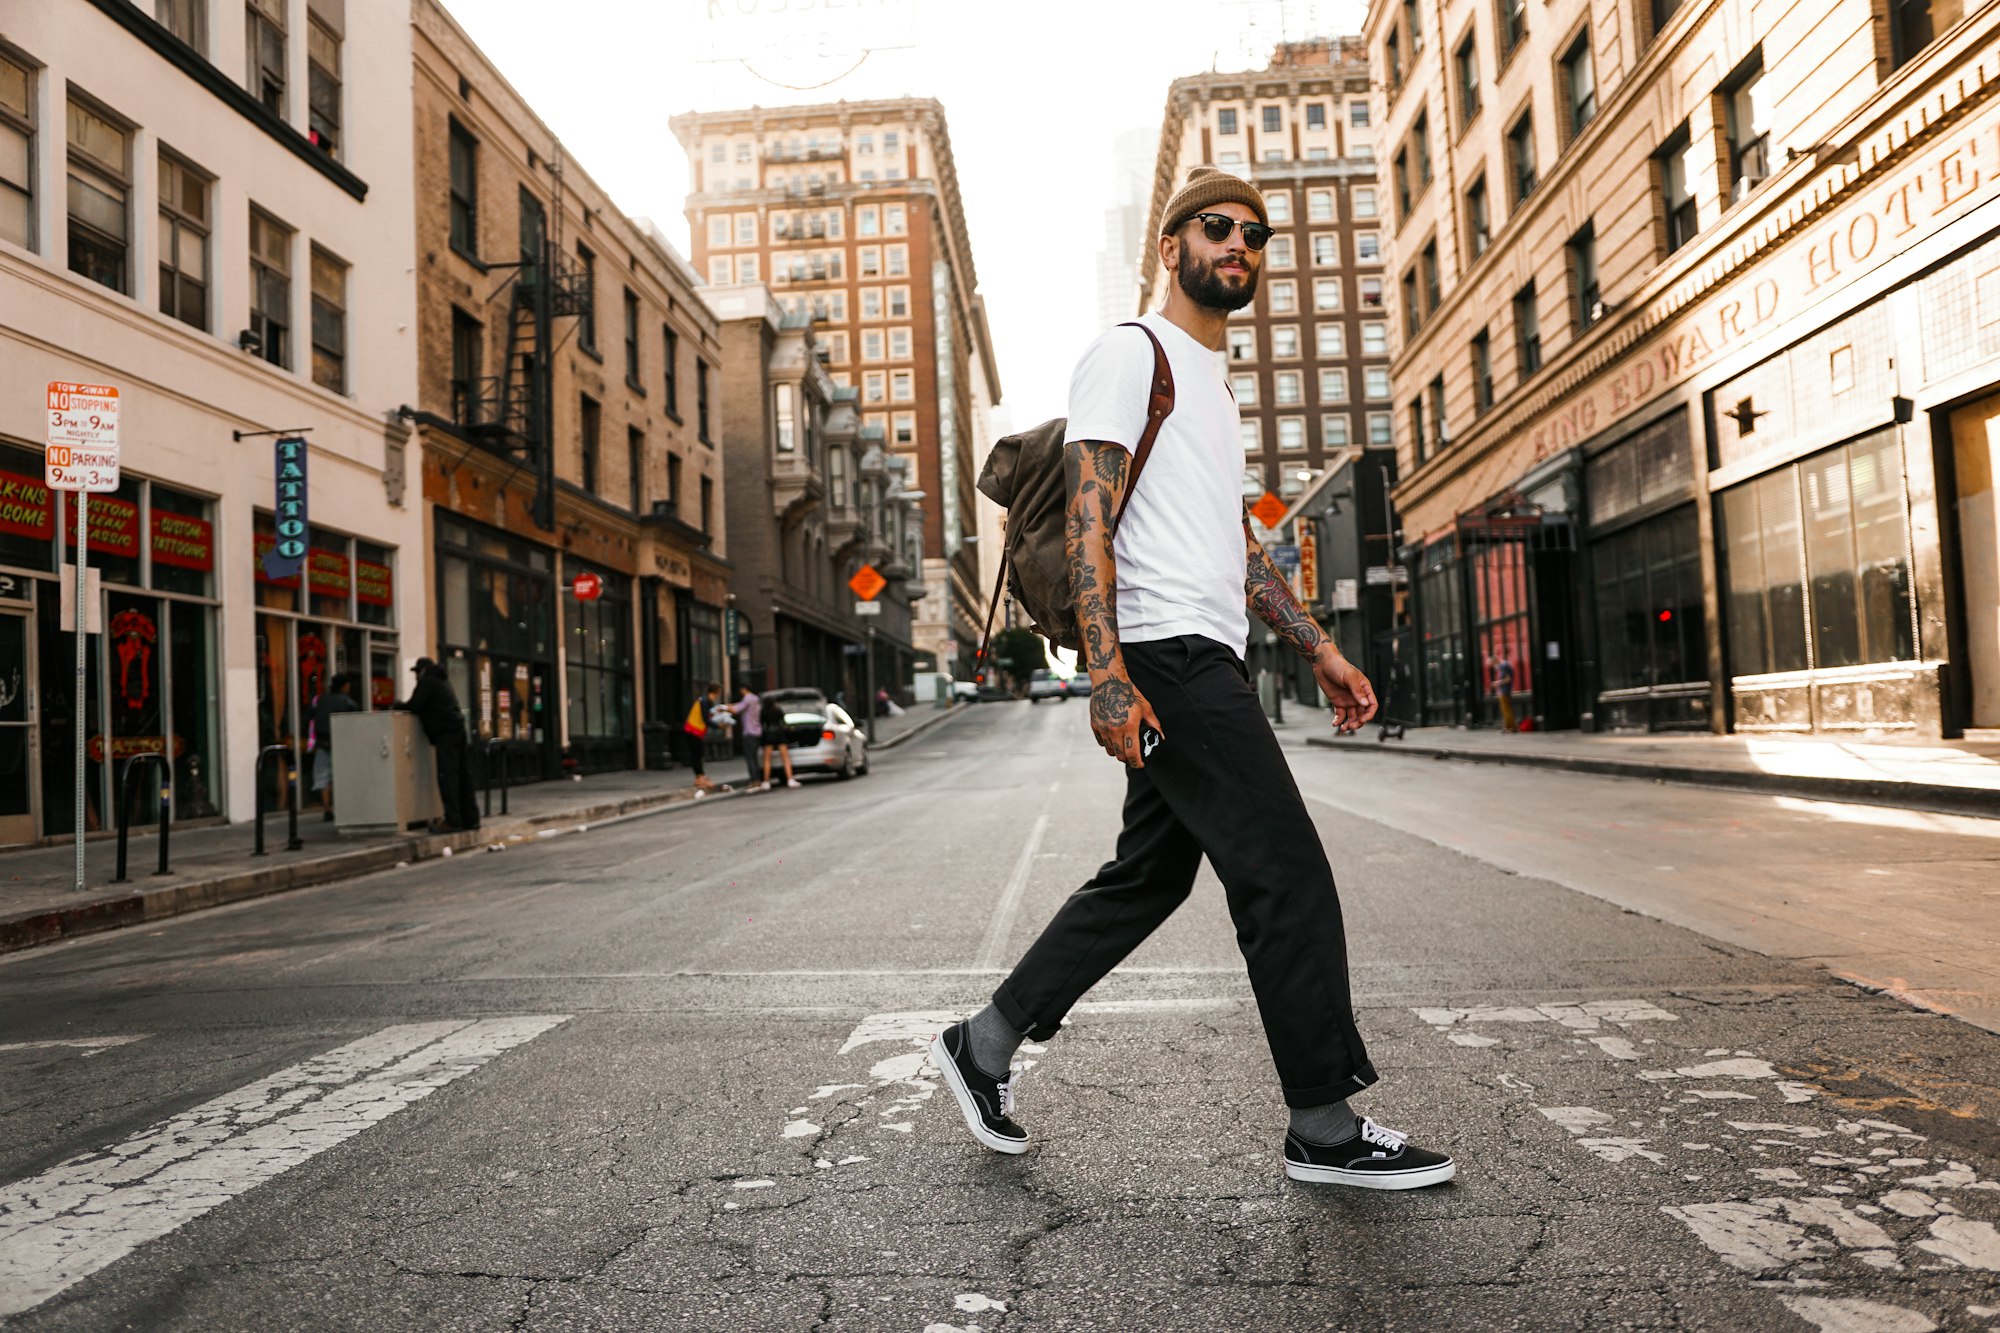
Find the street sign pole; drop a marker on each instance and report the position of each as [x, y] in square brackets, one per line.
[868, 680]
[82, 622]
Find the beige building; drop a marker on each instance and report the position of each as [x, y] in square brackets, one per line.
[570, 417]
[850, 213]
[1693, 375]
[211, 211]
[1309, 358]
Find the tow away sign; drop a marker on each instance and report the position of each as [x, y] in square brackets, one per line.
[83, 437]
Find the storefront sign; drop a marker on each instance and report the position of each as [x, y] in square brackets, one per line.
[674, 568]
[373, 585]
[82, 437]
[1309, 566]
[730, 632]
[588, 587]
[1346, 594]
[25, 510]
[114, 526]
[288, 553]
[182, 541]
[327, 573]
[124, 747]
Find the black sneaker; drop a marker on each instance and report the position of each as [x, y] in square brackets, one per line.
[985, 1101]
[1374, 1159]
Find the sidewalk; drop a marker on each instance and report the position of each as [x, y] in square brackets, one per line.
[214, 865]
[1957, 777]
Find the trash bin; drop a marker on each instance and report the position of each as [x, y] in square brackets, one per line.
[659, 738]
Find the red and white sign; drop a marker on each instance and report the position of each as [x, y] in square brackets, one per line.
[588, 587]
[83, 437]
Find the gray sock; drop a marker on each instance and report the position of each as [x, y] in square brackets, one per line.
[1332, 1123]
[993, 1041]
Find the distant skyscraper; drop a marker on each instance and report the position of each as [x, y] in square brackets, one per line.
[1118, 295]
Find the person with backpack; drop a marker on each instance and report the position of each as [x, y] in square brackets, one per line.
[694, 736]
[1157, 599]
[772, 725]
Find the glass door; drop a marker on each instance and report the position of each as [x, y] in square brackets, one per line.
[18, 777]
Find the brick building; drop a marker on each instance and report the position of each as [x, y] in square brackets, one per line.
[809, 502]
[850, 212]
[569, 414]
[1695, 367]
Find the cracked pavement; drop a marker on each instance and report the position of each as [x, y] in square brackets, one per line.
[720, 1117]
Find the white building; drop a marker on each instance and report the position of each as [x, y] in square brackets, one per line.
[209, 204]
[1118, 293]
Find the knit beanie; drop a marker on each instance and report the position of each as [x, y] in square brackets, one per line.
[1206, 187]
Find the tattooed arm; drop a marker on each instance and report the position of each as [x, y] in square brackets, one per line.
[1270, 599]
[1095, 473]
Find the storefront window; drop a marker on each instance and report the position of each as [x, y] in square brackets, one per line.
[1500, 588]
[114, 532]
[195, 708]
[183, 543]
[329, 574]
[496, 603]
[598, 645]
[374, 585]
[1648, 597]
[1441, 622]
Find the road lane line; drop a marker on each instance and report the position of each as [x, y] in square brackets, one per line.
[89, 1046]
[85, 1214]
[1009, 905]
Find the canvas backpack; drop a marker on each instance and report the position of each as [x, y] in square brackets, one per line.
[1024, 476]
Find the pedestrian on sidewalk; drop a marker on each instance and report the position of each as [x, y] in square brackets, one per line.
[435, 705]
[1503, 689]
[337, 697]
[771, 717]
[694, 735]
[749, 713]
[1162, 609]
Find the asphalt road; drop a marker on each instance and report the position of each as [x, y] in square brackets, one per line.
[667, 1073]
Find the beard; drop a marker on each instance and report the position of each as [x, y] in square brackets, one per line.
[1207, 287]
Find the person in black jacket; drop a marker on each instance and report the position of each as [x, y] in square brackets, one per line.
[435, 704]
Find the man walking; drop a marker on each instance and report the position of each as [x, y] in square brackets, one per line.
[436, 705]
[1162, 607]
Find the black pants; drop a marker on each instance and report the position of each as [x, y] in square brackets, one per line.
[753, 752]
[455, 789]
[691, 746]
[1217, 785]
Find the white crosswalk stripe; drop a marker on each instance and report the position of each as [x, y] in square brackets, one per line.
[84, 1214]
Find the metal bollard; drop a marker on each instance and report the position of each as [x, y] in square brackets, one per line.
[292, 843]
[134, 765]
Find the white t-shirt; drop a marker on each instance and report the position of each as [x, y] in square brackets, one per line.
[1179, 549]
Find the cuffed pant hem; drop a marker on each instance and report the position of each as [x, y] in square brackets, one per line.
[1327, 1093]
[1019, 1019]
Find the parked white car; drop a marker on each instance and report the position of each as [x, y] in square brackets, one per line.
[1046, 684]
[823, 738]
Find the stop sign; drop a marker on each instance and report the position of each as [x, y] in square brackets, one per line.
[588, 587]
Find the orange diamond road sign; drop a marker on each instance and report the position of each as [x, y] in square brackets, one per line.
[1269, 509]
[867, 583]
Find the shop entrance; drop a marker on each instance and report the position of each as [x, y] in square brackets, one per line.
[1975, 447]
[18, 778]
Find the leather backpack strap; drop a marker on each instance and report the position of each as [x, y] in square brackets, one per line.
[1158, 409]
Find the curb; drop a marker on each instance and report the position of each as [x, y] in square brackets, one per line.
[927, 724]
[1974, 801]
[26, 930]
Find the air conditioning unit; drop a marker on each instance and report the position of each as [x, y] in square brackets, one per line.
[1745, 183]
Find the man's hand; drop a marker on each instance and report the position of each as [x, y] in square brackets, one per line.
[1352, 697]
[1117, 711]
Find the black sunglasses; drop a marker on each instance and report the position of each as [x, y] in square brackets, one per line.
[1217, 228]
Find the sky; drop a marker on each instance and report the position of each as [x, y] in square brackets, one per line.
[1035, 93]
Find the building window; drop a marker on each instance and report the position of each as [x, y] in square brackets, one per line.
[1364, 201]
[1513, 25]
[898, 257]
[1315, 115]
[1914, 24]
[1420, 139]
[870, 259]
[1413, 309]
[1319, 205]
[871, 344]
[902, 386]
[1326, 293]
[468, 358]
[1242, 344]
[783, 417]
[1250, 430]
[718, 232]
[1333, 385]
[1587, 303]
[1749, 129]
[1440, 435]
[17, 155]
[1392, 59]
[1278, 206]
[264, 46]
[185, 19]
[1244, 388]
[1278, 253]
[322, 85]
[874, 387]
[1330, 340]
[1482, 372]
[1427, 265]
[183, 242]
[674, 482]
[871, 303]
[1401, 173]
[1273, 119]
[899, 303]
[1333, 431]
[1419, 438]
[867, 221]
[1527, 332]
[1521, 157]
[1466, 62]
[632, 340]
[1284, 296]
[1357, 115]
[590, 421]
[1225, 121]
[635, 469]
[271, 288]
[701, 402]
[99, 195]
[1676, 193]
[718, 270]
[1326, 251]
[1381, 431]
[1285, 342]
[708, 504]
[586, 327]
[1662, 10]
[329, 321]
[1478, 217]
[1291, 432]
[1371, 292]
[1375, 382]
[1374, 339]
[671, 351]
[899, 344]
[905, 429]
[1288, 388]
[1579, 84]
[464, 191]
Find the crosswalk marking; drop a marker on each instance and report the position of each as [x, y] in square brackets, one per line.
[84, 1214]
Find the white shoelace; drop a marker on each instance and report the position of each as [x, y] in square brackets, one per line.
[1382, 1134]
[1007, 1095]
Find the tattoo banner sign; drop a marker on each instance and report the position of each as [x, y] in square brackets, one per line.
[287, 555]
